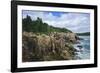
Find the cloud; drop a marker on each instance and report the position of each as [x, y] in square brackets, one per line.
[77, 22]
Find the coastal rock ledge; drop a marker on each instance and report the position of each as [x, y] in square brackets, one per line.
[48, 47]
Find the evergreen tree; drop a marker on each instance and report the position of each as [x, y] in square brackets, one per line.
[37, 26]
[26, 23]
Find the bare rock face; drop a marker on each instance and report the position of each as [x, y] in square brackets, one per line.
[68, 37]
[72, 37]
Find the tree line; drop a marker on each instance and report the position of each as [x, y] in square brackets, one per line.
[38, 26]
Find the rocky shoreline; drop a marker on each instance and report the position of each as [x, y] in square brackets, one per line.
[48, 47]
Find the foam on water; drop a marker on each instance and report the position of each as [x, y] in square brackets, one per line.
[84, 52]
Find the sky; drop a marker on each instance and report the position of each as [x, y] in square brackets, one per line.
[76, 22]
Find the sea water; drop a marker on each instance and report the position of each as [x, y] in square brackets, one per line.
[84, 51]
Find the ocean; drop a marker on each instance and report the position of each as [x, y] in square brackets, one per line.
[82, 48]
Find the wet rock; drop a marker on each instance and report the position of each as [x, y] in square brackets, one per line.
[80, 46]
[80, 39]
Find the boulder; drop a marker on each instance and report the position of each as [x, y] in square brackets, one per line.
[72, 37]
[66, 55]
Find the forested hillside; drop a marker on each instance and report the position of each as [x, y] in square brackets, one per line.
[39, 26]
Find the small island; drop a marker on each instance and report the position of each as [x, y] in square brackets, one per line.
[83, 34]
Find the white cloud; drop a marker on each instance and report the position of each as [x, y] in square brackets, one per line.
[77, 22]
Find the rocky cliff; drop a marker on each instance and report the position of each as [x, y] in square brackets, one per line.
[48, 47]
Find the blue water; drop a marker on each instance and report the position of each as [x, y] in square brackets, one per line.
[84, 52]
